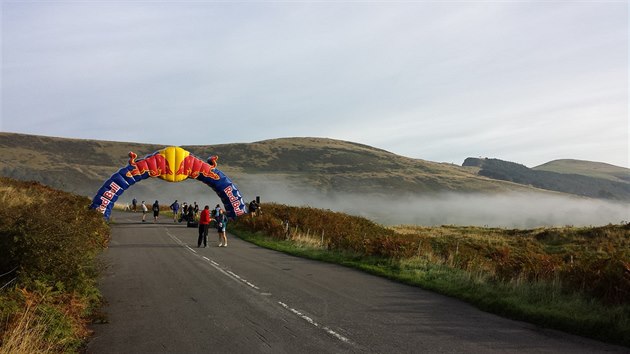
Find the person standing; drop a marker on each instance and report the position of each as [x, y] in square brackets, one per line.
[144, 211]
[196, 210]
[204, 223]
[156, 211]
[134, 204]
[221, 227]
[253, 208]
[175, 209]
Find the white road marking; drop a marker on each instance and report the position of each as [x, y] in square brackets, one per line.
[310, 320]
[214, 264]
[234, 275]
[237, 278]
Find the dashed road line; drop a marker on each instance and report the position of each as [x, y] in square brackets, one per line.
[312, 322]
[238, 278]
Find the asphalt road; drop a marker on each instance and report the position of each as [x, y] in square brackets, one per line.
[165, 295]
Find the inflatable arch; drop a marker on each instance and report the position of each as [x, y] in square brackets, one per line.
[161, 164]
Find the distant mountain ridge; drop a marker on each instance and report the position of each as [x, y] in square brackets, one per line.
[584, 178]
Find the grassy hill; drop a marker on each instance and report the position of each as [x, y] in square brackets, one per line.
[582, 178]
[587, 168]
[332, 166]
[322, 165]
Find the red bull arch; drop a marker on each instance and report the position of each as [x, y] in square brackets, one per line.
[172, 164]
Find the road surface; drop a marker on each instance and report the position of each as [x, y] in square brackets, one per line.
[165, 295]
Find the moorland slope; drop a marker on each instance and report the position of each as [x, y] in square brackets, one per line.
[323, 165]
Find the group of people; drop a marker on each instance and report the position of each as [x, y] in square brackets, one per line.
[206, 218]
[188, 212]
[143, 206]
[191, 213]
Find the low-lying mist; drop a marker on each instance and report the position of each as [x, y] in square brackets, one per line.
[516, 210]
[512, 210]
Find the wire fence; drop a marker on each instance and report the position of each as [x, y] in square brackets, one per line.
[7, 274]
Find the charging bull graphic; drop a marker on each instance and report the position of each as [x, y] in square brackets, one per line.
[161, 164]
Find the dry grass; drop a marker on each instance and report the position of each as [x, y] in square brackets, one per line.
[308, 240]
[25, 338]
[24, 335]
[12, 197]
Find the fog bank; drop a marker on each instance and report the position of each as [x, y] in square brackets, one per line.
[516, 210]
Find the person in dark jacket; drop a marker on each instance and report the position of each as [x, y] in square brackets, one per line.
[156, 211]
[204, 223]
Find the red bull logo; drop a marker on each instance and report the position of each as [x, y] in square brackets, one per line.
[192, 167]
[156, 165]
[159, 165]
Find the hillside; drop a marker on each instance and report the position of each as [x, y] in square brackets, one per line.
[323, 165]
[587, 168]
[324, 173]
[589, 179]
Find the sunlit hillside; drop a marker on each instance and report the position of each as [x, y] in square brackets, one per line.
[324, 165]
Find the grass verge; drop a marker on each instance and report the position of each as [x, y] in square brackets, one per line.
[544, 303]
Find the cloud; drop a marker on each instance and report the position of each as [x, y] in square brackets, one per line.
[438, 81]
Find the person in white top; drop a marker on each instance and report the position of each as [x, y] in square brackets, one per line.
[144, 211]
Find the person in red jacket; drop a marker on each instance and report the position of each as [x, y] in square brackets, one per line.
[204, 223]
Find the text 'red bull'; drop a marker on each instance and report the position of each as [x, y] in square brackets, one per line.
[236, 203]
[107, 196]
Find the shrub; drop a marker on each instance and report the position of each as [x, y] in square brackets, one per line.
[52, 239]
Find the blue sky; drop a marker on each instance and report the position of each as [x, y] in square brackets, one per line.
[524, 81]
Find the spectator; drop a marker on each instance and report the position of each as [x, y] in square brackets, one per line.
[196, 210]
[253, 208]
[222, 220]
[175, 209]
[204, 223]
[144, 211]
[156, 211]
